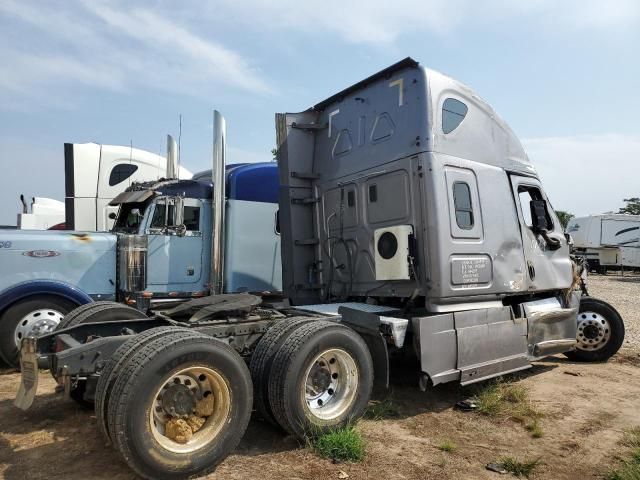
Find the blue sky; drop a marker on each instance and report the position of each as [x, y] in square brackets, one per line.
[564, 75]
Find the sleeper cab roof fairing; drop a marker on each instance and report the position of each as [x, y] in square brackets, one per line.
[483, 136]
[253, 182]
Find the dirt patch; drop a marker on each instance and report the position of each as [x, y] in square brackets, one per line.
[584, 417]
[584, 420]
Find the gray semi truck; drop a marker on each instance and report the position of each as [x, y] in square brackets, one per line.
[410, 219]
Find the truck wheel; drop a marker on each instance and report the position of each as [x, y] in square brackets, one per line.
[261, 361]
[321, 378]
[105, 312]
[33, 316]
[600, 331]
[182, 404]
[77, 311]
[100, 312]
[112, 369]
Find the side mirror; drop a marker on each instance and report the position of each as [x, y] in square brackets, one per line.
[112, 216]
[540, 225]
[539, 215]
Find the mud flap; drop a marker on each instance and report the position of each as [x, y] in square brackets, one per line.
[29, 369]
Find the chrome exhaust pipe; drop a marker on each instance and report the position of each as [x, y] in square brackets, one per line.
[219, 180]
[172, 158]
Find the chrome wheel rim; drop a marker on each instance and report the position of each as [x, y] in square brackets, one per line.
[331, 383]
[36, 323]
[178, 399]
[594, 331]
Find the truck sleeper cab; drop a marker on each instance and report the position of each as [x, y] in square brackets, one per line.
[410, 219]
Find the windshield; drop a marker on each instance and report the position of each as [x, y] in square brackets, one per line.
[128, 221]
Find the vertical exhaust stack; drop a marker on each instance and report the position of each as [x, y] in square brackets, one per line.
[172, 158]
[218, 177]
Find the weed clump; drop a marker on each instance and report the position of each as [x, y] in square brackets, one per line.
[341, 444]
[520, 468]
[447, 446]
[510, 400]
[379, 410]
[630, 468]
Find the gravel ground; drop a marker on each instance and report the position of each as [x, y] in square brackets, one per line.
[623, 292]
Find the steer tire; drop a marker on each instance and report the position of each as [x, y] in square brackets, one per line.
[615, 324]
[113, 366]
[288, 377]
[11, 317]
[143, 376]
[262, 359]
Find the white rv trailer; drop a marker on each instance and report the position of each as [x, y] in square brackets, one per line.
[94, 175]
[610, 239]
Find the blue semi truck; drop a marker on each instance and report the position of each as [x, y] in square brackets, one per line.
[410, 221]
[46, 274]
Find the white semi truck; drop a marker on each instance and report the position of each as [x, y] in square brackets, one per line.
[94, 175]
[401, 214]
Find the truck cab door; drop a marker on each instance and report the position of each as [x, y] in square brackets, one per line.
[547, 260]
[175, 255]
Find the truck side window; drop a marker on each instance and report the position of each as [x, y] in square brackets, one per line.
[121, 172]
[453, 112]
[526, 194]
[159, 215]
[462, 204]
[192, 218]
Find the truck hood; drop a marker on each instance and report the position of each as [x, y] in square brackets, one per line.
[56, 241]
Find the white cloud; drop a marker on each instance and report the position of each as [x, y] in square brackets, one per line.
[380, 22]
[177, 46]
[587, 174]
[112, 46]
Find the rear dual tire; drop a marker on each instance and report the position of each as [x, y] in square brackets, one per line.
[156, 378]
[318, 374]
[103, 311]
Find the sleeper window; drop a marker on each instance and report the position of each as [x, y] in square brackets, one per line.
[453, 112]
[121, 172]
[462, 203]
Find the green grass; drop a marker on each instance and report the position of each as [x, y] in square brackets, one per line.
[342, 444]
[518, 468]
[447, 446]
[632, 438]
[534, 429]
[510, 400]
[629, 469]
[379, 410]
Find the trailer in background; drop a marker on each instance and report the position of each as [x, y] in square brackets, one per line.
[607, 240]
